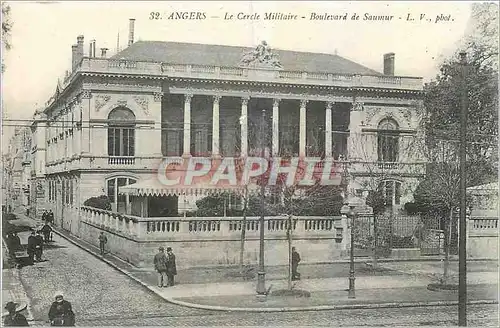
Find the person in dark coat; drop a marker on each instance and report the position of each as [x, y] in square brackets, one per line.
[46, 230]
[14, 319]
[38, 246]
[50, 217]
[32, 242]
[295, 264]
[44, 216]
[61, 312]
[103, 240]
[15, 241]
[171, 267]
[160, 262]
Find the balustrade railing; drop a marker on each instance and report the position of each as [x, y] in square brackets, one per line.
[483, 223]
[303, 226]
[121, 160]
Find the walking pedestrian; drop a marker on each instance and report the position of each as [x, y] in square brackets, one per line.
[171, 267]
[44, 215]
[50, 217]
[160, 262]
[46, 230]
[61, 312]
[32, 241]
[38, 246]
[295, 264]
[103, 240]
[14, 318]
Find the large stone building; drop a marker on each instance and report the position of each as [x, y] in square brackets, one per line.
[112, 120]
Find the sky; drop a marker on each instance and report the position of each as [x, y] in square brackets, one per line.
[43, 33]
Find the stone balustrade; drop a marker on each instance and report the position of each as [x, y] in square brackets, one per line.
[481, 226]
[210, 228]
[107, 65]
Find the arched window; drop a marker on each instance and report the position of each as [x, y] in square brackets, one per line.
[388, 141]
[121, 136]
[119, 203]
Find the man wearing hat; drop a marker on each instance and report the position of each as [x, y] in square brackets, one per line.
[171, 267]
[32, 242]
[14, 318]
[61, 313]
[160, 262]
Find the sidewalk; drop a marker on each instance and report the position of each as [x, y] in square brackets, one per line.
[390, 286]
[13, 290]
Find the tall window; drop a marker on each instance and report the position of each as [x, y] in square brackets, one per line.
[120, 203]
[388, 141]
[391, 191]
[121, 132]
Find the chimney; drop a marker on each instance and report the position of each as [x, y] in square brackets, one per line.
[79, 49]
[131, 31]
[74, 56]
[389, 64]
[103, 52]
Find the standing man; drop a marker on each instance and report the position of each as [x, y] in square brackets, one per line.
[103, 240]
[14, 319]
[38, 246]
[46, 230]
[32, 241]
[171, 267]
[295, 264]
[44, 216]
[160, 262]
[50, 217]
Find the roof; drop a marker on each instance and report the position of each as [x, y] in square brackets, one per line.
[221, 55]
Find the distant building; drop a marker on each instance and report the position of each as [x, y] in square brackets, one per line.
[112, 120]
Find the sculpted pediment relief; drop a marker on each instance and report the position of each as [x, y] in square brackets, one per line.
[261, 57]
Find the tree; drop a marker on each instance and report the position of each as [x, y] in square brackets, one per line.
[442, 97]
[6, 29]
[439, 194]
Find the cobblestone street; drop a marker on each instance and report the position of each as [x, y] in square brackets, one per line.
[102, 296]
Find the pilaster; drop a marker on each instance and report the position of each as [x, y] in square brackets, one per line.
[187, 125]
[275, 150]
[302, 131]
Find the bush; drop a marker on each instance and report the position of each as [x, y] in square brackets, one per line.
[101, 202]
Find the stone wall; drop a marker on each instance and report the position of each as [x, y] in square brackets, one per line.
[482, 238]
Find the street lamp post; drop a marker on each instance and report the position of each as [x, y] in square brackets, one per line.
[261, 274]
[351, 215]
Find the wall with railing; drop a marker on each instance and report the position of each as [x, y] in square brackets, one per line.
[118, 66]
[482, 237]
[215, 240]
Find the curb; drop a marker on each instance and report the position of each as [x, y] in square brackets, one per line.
[275, 309]
[327, 307]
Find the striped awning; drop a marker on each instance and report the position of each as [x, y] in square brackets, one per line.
[153, 187]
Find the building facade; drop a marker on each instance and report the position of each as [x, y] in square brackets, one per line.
[111, 121]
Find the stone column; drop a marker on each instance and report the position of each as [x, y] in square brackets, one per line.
[244, 126]
[276, 135]
[302, 131]
[215, 127]
[328, 130]
[187, 125]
